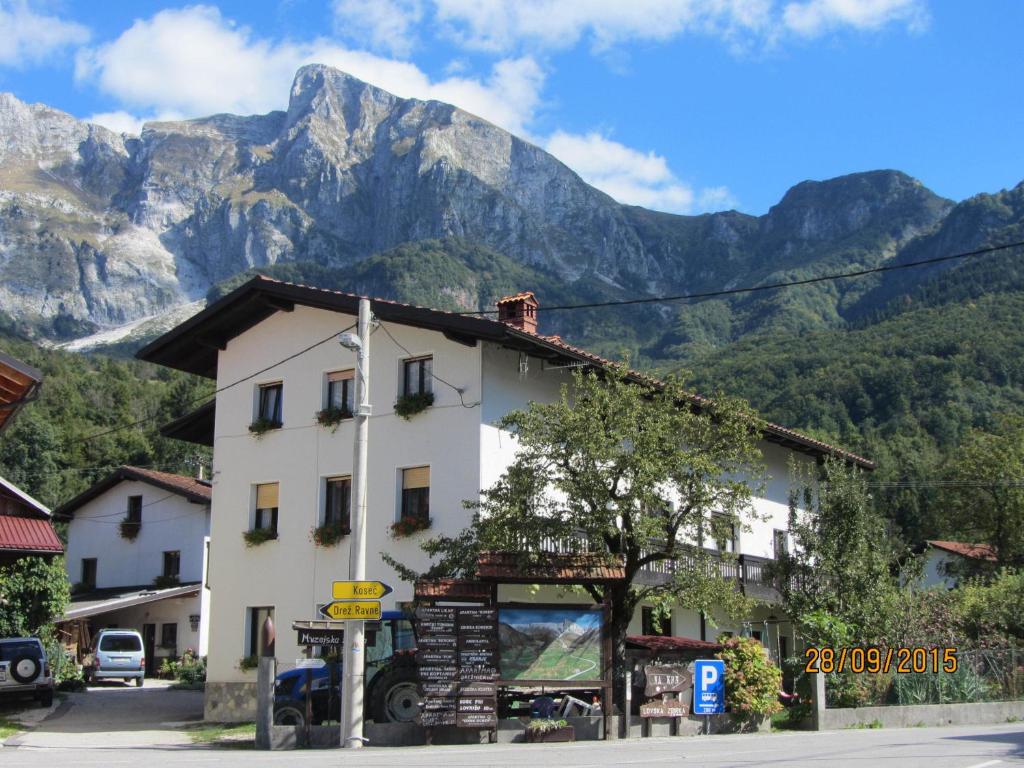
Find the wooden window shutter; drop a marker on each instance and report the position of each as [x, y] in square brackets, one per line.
[416, 477]
[266, 496]
[341, 375]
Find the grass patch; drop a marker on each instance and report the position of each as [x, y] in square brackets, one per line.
[874, 724]
[8, 728]
[784, 721]
[232, 735]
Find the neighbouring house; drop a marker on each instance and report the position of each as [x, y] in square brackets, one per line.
[283, 448]
[943, 558]
[138, 543]
[25, 524]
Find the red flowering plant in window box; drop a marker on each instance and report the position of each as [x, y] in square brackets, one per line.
[408, 525]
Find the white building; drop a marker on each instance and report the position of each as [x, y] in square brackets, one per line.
[136, 557]
[289, 479]
[942, 559]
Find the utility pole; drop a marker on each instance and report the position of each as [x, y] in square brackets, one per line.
[354, 661]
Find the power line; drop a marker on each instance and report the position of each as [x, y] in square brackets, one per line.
[432, 374]
[216, 392]
[769, 286]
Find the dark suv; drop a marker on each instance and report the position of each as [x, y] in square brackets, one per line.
[25, 670]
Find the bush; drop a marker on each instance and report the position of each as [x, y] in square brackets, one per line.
[262, 425]
[329, 534]
[190, 669]
[248, 662]
[33, 591]
[408, 406]
[752, 682]
[409, 525]
[332, 416]
[129, 529]
[257, 536]
[166, 582]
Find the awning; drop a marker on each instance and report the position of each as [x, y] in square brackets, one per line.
[83, 609]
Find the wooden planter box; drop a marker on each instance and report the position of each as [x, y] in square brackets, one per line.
[535, 736]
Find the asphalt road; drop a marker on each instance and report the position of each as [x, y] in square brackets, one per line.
[962, 747]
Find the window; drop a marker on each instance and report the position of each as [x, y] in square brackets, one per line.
[169, 635]
[417, 375]
[266, 507]
[120, 643]
[724, 533]
[89, 572]
[653, 626]
[338, 501]
[172, 564]
[416, 493]
[341, 387]
[780, 545]
[254, 632]
[134, 509]
[269, 406]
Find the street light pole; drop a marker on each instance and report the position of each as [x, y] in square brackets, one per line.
[354, 661]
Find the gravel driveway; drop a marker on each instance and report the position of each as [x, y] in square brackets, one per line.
[117, 715]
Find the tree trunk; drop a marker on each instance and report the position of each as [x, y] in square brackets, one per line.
[622, 607]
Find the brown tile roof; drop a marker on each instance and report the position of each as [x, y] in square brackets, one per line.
[452, 589]
[191, 488]
[547, 568]
[517, 297]
[660, 644]
[973, 551]
[262, 296]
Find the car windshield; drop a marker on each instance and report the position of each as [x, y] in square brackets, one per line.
[120, 643]
[10, 651]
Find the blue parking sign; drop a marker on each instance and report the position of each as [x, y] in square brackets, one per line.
[708, 687]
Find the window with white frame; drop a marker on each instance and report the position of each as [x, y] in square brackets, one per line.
[417, 375]
[341, 391]
[265, 514]
[337, 502]
[416, 493]
[268, 402]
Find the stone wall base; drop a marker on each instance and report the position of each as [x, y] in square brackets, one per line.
[229, 702]
[989, 712]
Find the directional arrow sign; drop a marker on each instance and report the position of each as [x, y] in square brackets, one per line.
[359, 590]
[359, 610]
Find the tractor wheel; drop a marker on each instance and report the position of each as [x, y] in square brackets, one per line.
[289, 715]
[395, 697]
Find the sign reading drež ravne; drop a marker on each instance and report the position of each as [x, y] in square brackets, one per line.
[458, 666]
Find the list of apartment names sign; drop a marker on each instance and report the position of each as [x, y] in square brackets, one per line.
[457, 656]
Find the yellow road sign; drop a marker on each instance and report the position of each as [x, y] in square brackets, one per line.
[354, 610]
[359, 590]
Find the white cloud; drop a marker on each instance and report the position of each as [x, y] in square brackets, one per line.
[386, 25]
[505, 25]
[631, 176]
[118, 122]
[29, 37]
[195, 62]
[815, 17]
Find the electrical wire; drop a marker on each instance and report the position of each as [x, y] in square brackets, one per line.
[769, 286]
[432, 374]
[216, 391]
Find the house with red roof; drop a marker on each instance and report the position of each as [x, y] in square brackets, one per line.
[943, 561]
[282, 433]
[138, 542]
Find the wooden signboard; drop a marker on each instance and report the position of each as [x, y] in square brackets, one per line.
[665, 708]
[667, 678]
[457, 666]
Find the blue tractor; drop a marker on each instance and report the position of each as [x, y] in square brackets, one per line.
[391, 696]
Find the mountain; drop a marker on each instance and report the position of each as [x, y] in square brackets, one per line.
[102, 230]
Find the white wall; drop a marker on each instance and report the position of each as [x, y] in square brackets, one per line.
[290, 573]
[169, 522]
[169, 611]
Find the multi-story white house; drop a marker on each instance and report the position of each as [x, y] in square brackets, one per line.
[272, 349]
[138, 542]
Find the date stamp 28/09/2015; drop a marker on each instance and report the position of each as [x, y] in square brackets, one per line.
[880, 660]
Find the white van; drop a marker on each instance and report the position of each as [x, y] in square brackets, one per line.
[117, 654]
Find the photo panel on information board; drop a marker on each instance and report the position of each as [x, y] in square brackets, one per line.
[557, 643]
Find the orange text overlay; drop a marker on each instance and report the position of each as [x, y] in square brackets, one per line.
[880, 660]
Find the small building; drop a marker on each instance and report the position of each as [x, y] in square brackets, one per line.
[943, 561]
[25, 526]
[138, 543]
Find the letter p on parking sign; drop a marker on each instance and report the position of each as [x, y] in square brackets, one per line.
[709, 687]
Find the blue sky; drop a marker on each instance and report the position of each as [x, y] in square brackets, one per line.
[680, 105]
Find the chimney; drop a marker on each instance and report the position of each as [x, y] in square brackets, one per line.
[519, 311]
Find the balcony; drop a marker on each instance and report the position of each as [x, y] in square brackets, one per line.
[750, 573]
